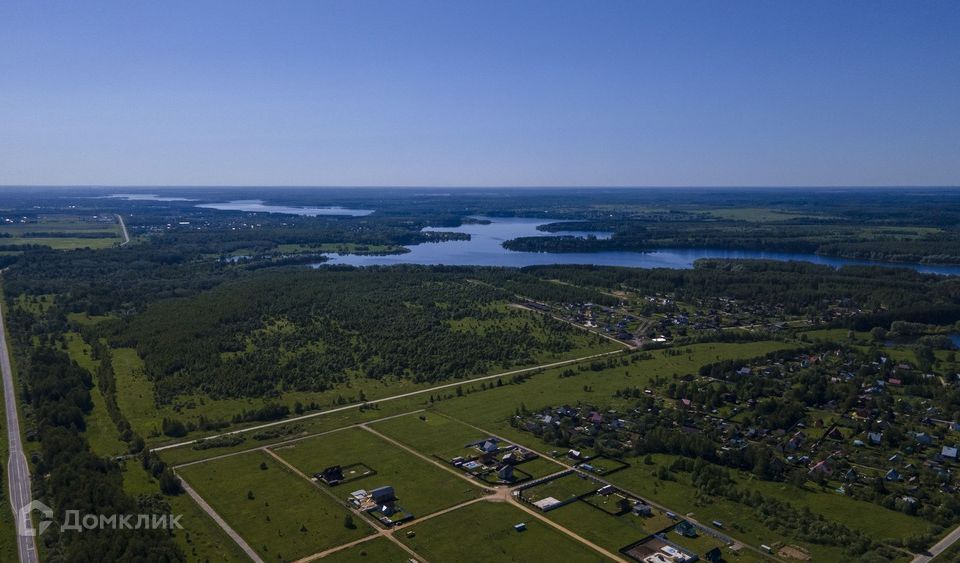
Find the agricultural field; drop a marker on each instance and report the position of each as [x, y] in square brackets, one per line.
[484, 530]
[281, 515]
[62, 232]
[421, 487]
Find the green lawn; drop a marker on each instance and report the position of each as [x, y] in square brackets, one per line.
[483, 531]
[421, 486]
[287, 518]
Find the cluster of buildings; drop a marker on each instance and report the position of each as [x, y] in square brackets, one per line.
[492, 456]
[381, 503]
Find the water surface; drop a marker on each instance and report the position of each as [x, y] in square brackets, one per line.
[258, 206]
[485, 249]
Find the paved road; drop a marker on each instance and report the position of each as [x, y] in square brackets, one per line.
[939, 547]
[123, 227]
[18, 472]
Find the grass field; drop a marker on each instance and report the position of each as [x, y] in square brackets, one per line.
[420, 486]
[201, 539]
[483, 531]
[287, 517]
[430, 434]
[876, 521]
[492, 408]
[682, 497]
[611, 532]
[62, 225]
[378, 550]
[101, 432]
[562, 488]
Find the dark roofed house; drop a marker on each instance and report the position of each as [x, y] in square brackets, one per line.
[685, 529]
[332, 475]
[923, 438]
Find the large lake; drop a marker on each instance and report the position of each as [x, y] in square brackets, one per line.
[258, 206]
[485, 249]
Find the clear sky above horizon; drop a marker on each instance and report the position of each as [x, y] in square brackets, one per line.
[484, 93]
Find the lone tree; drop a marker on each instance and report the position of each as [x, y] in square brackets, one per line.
[348, 522]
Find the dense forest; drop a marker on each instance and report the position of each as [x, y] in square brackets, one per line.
[68, 476]
[882, 294]
[816, 236]
[314, 330]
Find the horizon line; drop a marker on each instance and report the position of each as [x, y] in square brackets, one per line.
[488, 187]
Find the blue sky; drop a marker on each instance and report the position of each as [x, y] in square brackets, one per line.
[447, 93]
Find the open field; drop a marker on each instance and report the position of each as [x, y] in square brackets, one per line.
[444, 438]
[491, 408]
[201, 539]
[377, 550]
[448, 427]
[562, 488]
[431, 435]
[421, 487]
[93, 234]
[867, 517]
[681, 496]
[287, 517]
[101, 432]
[483, 531]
